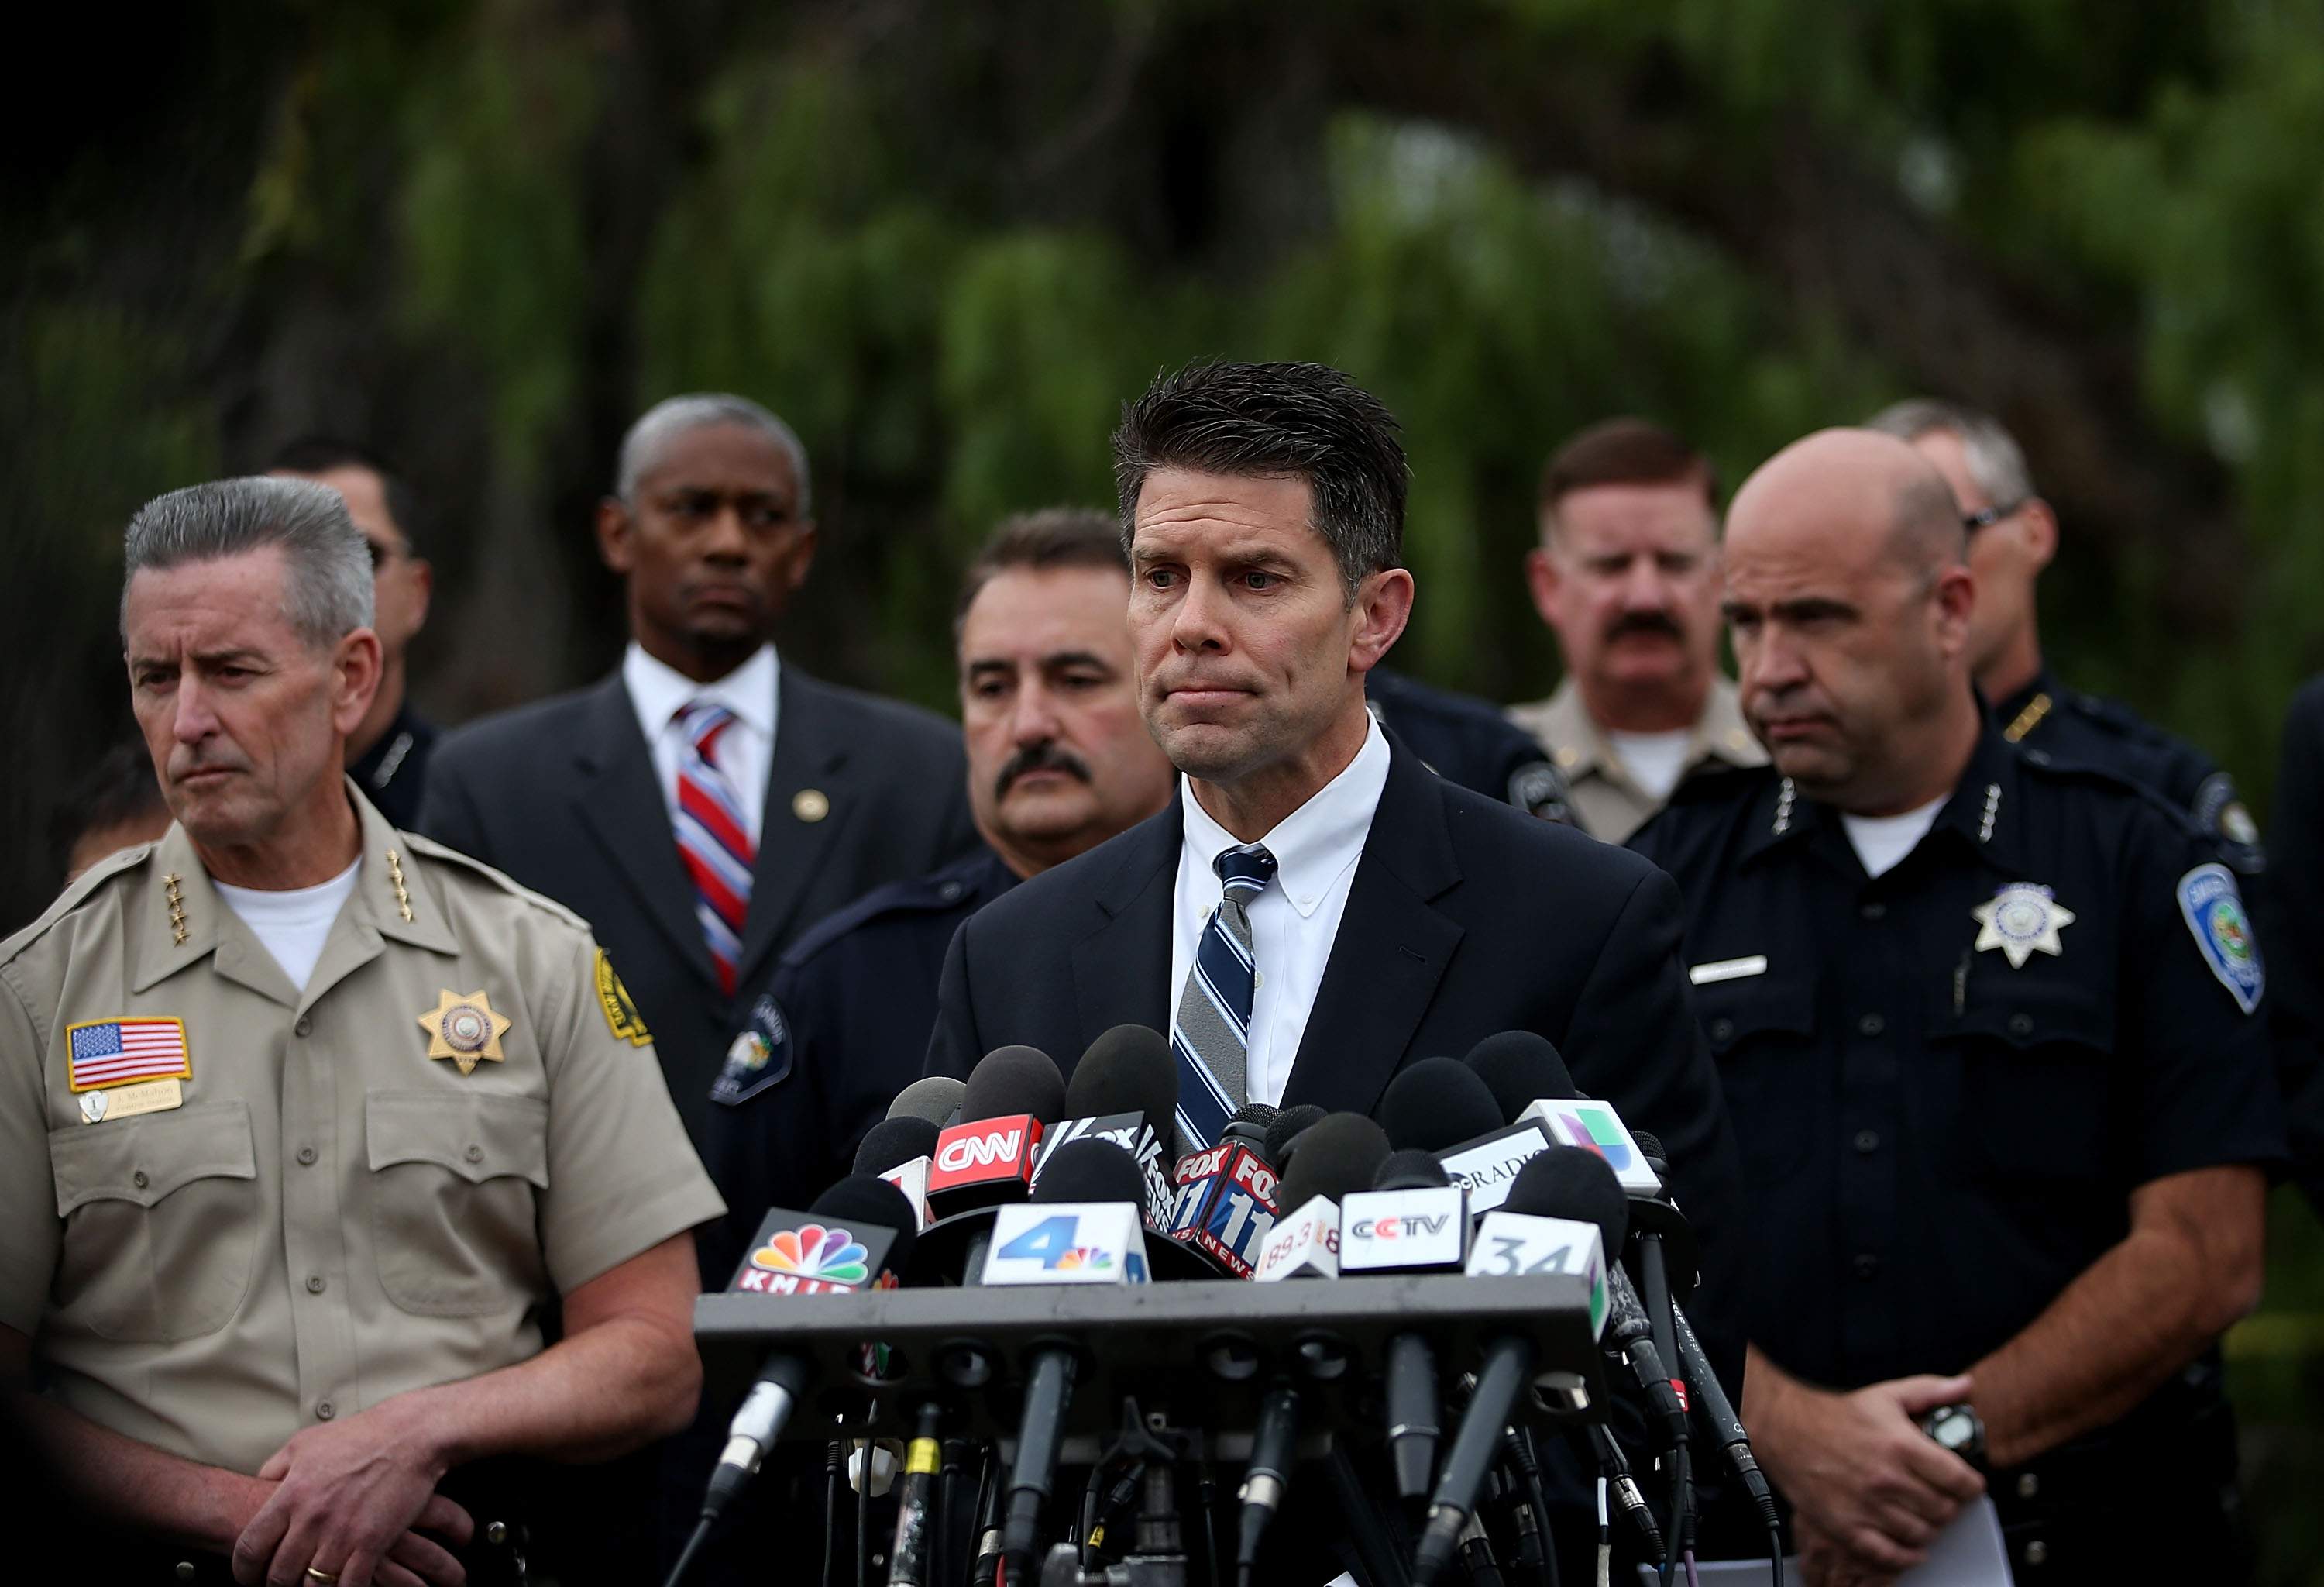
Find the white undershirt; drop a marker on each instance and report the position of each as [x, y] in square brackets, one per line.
[292, 924]
[1655, 761]
[1880, 840]
[1296, 918]
[658, 692]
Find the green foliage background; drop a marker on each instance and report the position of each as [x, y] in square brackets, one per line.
[947, 240]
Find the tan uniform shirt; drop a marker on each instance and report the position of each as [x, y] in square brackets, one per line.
[328, 1215]
[1605, 796]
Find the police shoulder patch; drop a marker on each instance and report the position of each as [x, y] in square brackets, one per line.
[757, 1057]
[622, 1016]
[2215, 915]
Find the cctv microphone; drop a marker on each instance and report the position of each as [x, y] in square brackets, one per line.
[1013, 1093]
[1337, 1157]
[1125, 1089]
[1286, 1127]
[933, 1097]
[1226, 1196]
[901, 1151]
[1083, 1226]
[1411, 1364]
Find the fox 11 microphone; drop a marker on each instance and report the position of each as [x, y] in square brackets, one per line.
[1225, 1203]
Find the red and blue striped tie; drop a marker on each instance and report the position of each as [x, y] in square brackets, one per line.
[712, 838]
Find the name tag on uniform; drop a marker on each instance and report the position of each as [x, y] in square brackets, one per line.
[1727, 969]
[126, 1102]
[121, 1067]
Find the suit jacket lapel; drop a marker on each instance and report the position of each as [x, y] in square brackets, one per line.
[1121, 969]
[1390, 952]
[810, 757]
[621, 803]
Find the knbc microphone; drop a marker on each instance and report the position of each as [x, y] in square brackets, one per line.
[1337, 1157]
[1125, 1090]
[1013, 1093]
[1083, 1226]
[901, 1151]
[1226, 1202]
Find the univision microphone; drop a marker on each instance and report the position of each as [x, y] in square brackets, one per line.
[859, 1232]
[1227, 1194]
[1013, 1094]
[1086, 1225]
[1125, 1090]
[1335, 1158]
[902, 1151]
[1440, 1106]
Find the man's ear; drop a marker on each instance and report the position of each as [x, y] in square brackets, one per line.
[802, 560]
[355, 664]
[1543, 578]
[2038, 523]
[613, 531]
[1383, 606]
[1956, 598]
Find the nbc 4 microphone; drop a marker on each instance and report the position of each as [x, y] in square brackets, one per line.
[1125, 1090]
[1226, 1200]
[1083, 1225]
[1334, 1157]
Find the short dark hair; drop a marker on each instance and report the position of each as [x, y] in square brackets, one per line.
[1627, 451]
[319, 454]
[1283, 420]
[1054, 537]
[119, 787]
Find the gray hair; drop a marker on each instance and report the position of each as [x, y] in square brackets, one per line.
[1994, 459]
[673, 417]
[326, 591]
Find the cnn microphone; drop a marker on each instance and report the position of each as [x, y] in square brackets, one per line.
[1336, 1157]
[1226, 1196]
[1125, 1090]
[1013, 1093]
[901, 1151]
[1090, 1177]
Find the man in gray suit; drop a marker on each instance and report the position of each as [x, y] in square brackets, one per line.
[707, 801]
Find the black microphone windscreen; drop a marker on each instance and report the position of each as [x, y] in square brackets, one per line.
[1651, 1149]
[1127, 1069]
[1410, 1170]
[1436, 1103]
[891, 1141]
[1090, 1169]
[869, 1199]
[936, 1098]
[1338, 1155]
[1258, 1114]
[1014, 1080]
[1571, 1182]
[1288, 1126]
[1520, 1067]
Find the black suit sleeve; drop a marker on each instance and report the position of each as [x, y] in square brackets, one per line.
[447, 813]
[953, 1046]
[2291, 909]
[1636, 1003]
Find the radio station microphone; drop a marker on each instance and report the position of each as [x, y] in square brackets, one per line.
[1091, 1175]
[1288, 1126]
[901, 1151]
[1013, 1093]
[1227, 1198]
[829, 1248]
[1337, 1157]
[1274, 1445]
[1442, 1106]
[933, 1097]
[1517, 1067]
[1125, 1090]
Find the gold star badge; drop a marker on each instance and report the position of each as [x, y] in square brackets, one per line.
[2022, 919]
[465, 1029]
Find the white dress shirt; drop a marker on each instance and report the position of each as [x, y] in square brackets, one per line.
[745, 750]
[1296, 918]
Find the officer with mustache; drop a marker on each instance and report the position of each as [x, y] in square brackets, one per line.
[1626, 574]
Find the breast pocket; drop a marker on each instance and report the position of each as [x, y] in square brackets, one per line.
[1762, 1033]
[455, 1182]
[161, 1221]
[2038, 1080]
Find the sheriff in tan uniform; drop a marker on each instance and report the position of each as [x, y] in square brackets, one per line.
[332, 1196]
[1605, 793]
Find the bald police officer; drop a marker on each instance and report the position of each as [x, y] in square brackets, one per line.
[303, 1120]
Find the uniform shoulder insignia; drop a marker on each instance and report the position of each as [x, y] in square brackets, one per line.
[430, 849]
[2214, 912]
[82, 888]
[620, 1009]
[2219, 813]
[758, 1057]
[1538, 789]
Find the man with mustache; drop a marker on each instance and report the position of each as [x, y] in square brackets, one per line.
[1626, 574]
[1985, 1022]
[1058, 761]
[1317, 910]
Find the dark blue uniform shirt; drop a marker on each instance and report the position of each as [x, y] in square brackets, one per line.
[1467, 741]
[839, 1028]
[1948, 1080]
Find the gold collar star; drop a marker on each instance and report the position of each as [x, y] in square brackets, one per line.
[2022, 919]
[465, 1029]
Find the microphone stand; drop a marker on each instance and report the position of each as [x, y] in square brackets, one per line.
[1653, 1293]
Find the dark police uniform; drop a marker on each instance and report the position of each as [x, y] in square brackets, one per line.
[1470, 743]
[839, 1028]
[393, 772]
[1947, 1082]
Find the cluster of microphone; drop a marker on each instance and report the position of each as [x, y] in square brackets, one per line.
[1493, 1167]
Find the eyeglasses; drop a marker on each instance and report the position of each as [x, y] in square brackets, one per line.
[1988, 516]
[381, 553]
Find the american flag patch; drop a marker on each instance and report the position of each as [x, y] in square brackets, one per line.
[116, 1052]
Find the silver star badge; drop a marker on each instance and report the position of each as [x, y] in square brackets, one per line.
[2021, 919]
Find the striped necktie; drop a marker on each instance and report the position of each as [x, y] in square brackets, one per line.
[1210, 1036]
[712, 838]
